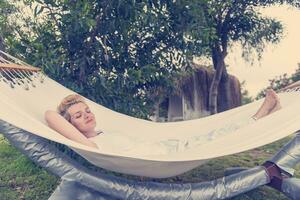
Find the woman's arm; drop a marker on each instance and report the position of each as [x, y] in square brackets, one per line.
[61, 125]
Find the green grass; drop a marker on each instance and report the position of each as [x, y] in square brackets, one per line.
[21, 179]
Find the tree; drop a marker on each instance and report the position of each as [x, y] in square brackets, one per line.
[295, 3]
[6, 9]
[245, 94]
[118, 53]
[236, 21]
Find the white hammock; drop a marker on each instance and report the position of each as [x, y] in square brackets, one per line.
[25, 109]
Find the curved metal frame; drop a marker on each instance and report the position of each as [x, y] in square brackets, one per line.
[81, 183]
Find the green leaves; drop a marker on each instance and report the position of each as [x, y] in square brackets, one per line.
[38, 10]
[119, 52]
[240, 21]
[116, 52]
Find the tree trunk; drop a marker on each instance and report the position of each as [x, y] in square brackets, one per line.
[219, 65]
[226, 101]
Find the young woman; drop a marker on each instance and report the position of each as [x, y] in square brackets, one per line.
[75, 120]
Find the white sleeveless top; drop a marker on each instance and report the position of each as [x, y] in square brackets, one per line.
[112, 142]
[117, 143]
[122, 144]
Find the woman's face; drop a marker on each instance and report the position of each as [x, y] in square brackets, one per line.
[82, 118]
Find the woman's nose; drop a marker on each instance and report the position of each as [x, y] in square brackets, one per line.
[86, 115]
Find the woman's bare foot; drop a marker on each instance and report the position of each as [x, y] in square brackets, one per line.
[270, 105]
[277, 105]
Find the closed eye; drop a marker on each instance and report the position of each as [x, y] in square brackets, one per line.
[77, 116]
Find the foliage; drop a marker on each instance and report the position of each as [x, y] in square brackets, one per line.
[245, 94]
[295, 3]
[241, 21]
[280, 82]
[6, 9]
[121, 53]
[236, 21]
[125, 54]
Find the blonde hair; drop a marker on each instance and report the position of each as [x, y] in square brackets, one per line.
[67, 102]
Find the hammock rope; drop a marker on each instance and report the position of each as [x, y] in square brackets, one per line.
[16, 72]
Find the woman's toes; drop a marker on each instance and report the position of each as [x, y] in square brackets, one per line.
[276, 107]
[268, 92]
[272, 92]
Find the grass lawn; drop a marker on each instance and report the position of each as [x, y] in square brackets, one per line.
[21, 179]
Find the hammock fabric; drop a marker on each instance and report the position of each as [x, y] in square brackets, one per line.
[80, 183]
[27, 95]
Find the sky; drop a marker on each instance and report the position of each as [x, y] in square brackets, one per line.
[277, 58]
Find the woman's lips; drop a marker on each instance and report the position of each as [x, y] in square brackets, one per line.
[90, 120]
